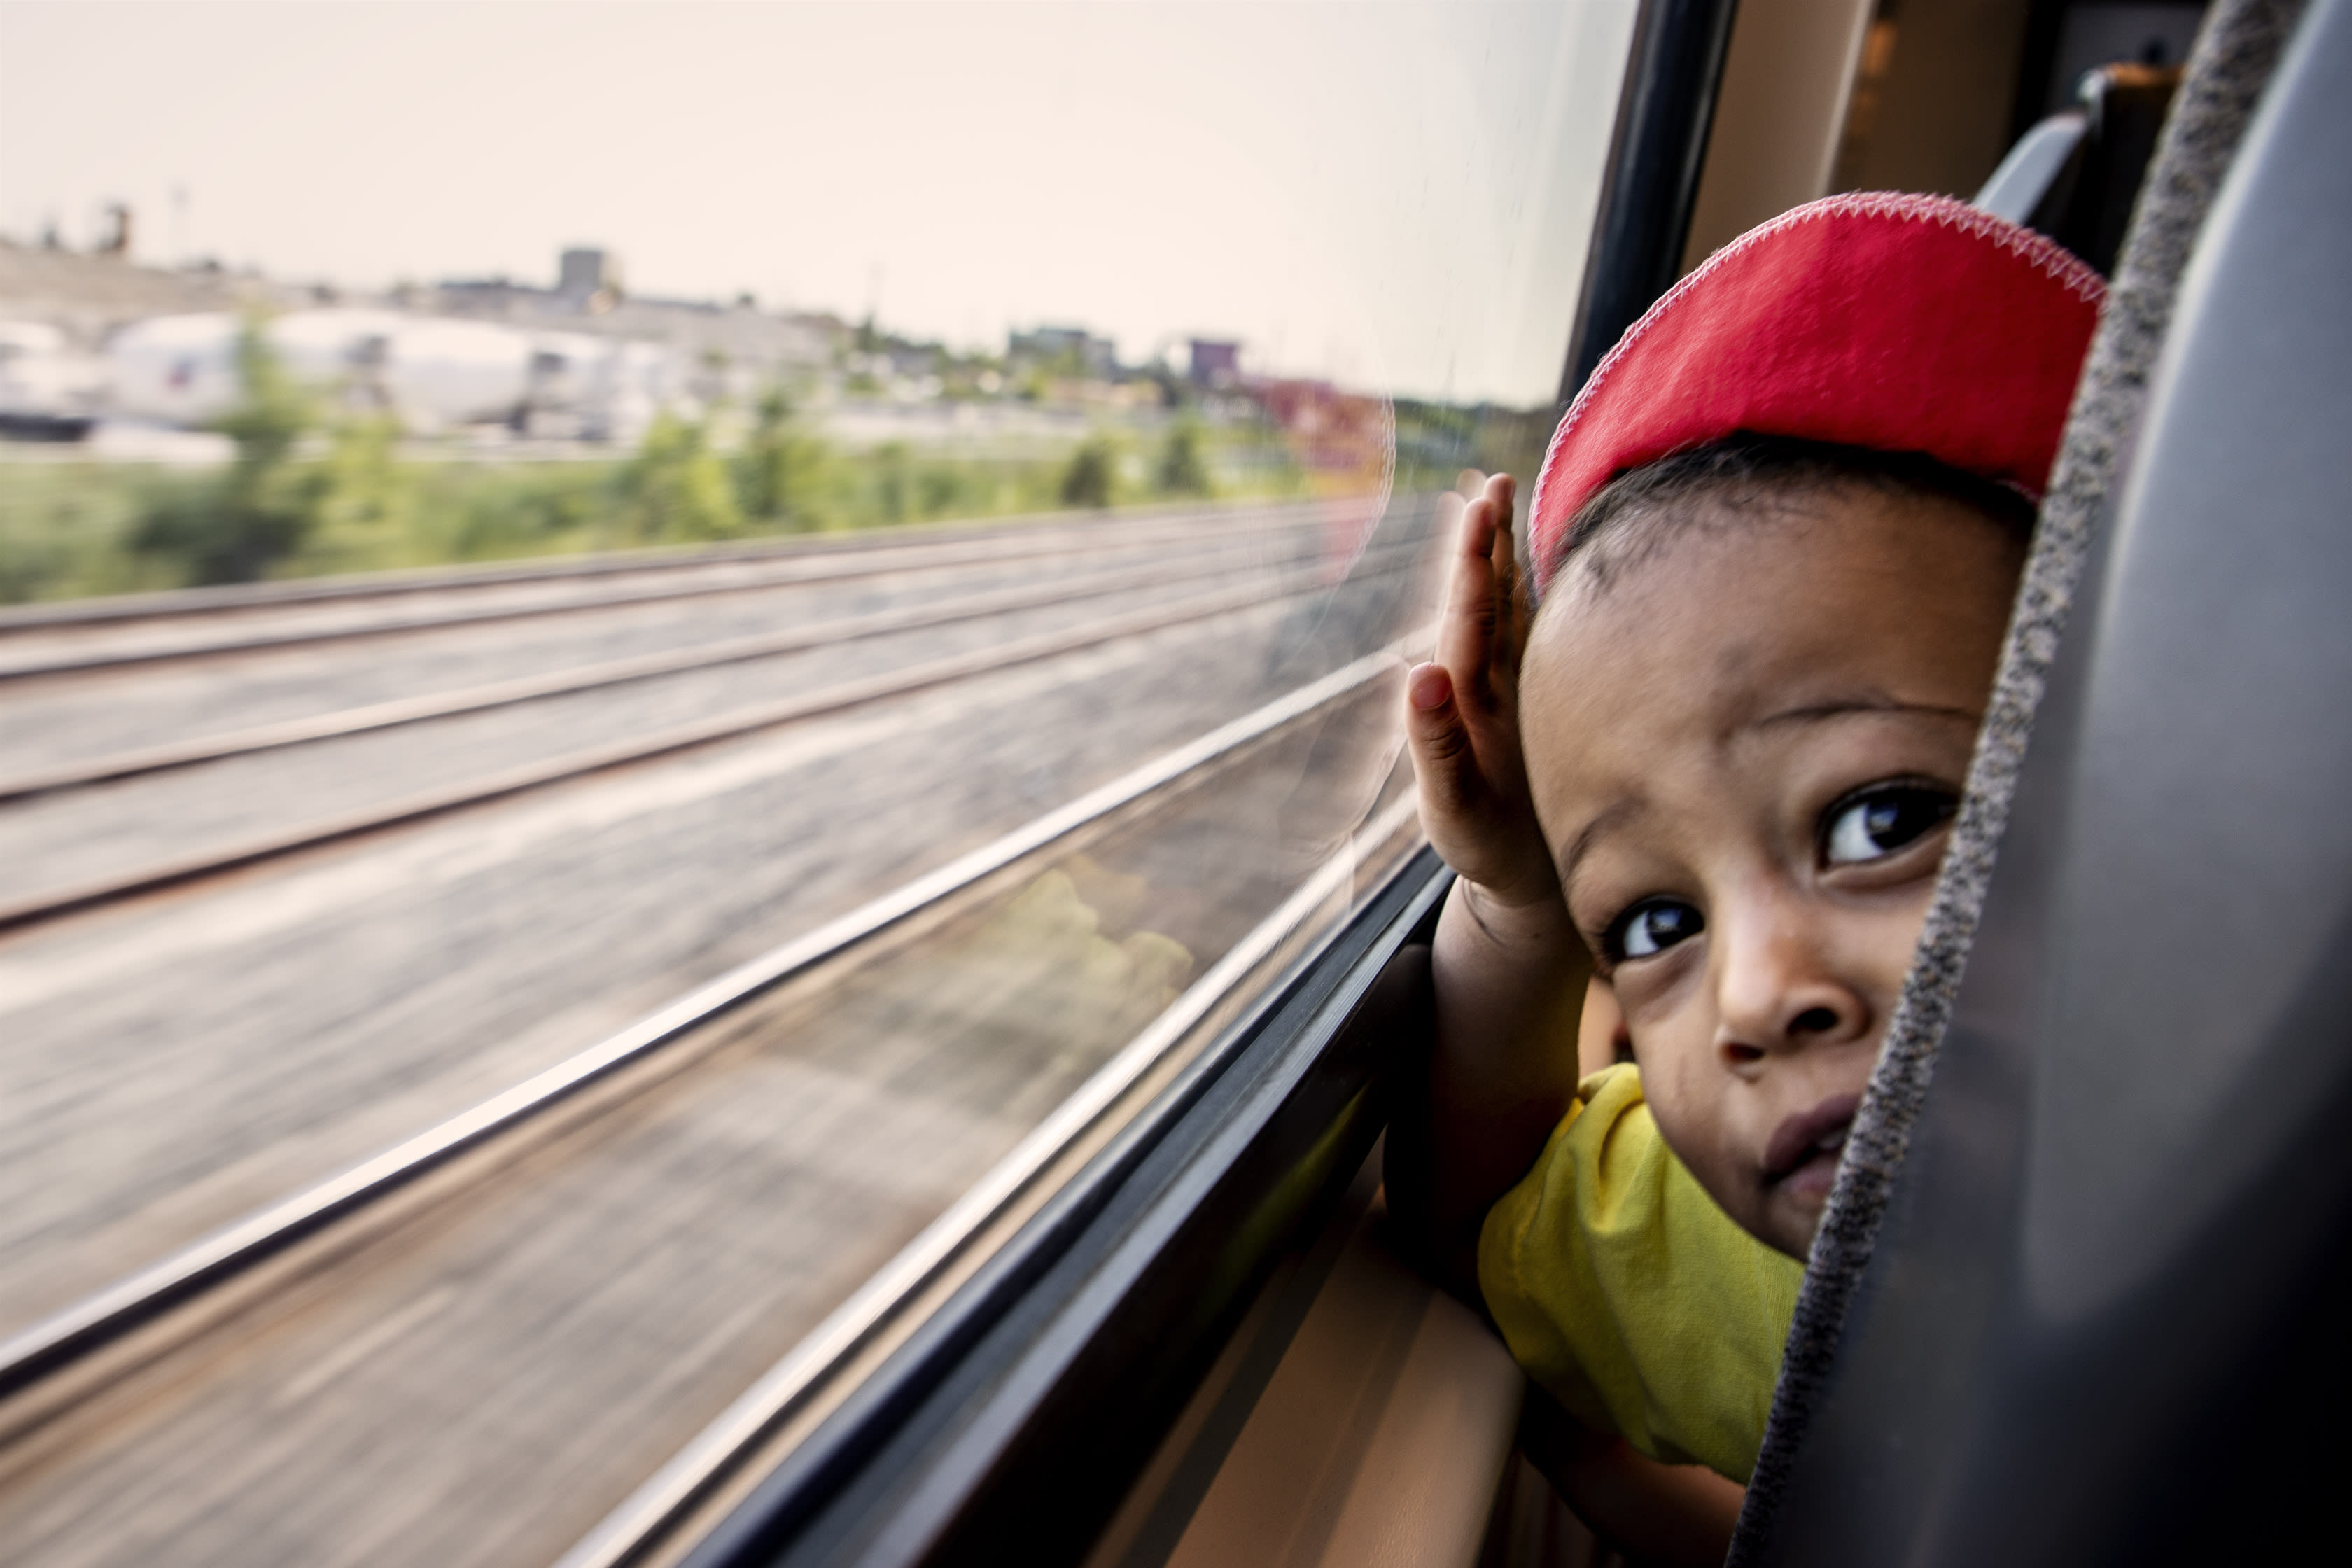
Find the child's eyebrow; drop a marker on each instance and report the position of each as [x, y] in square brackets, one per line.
[1838, 708]
[1611, 816]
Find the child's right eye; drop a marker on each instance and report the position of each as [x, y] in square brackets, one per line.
[1650, 926]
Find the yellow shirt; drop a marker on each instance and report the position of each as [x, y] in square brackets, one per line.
[1631, 1296]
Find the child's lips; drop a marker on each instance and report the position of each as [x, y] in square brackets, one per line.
[1803, 1154]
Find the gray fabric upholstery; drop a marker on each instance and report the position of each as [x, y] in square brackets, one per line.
[2233, 60]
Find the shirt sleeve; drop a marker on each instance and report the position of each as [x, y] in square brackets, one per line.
[1630, 1296]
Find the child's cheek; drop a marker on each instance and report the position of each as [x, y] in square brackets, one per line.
[1676, 1088]
[1692, 1124]
[1659, 996]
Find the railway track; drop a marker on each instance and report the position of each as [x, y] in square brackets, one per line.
[244, 1379]
[420, 805]
[58, 729]
[282, 1332]
[398, 711]
[230, 599]
[168, 1063]
[139, 634]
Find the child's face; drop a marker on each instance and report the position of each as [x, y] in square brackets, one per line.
[1745, 750]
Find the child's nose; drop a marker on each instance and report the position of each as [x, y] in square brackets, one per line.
[1778, 990]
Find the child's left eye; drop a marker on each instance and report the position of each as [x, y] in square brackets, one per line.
[1877, 821]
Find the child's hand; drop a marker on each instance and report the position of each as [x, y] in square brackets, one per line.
[1463, 716]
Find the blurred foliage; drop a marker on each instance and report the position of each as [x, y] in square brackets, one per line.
[360, 499]
[259, 509]
[894, 481]
[275, 411]
[1436, 442]
[1092, 477]
[477, 511]
[1183, 469]
[66, 528]
[313, 490]
[676, 488]
[780, 472]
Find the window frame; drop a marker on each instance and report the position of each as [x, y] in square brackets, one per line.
[1013, 1421]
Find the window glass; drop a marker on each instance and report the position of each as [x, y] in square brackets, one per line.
[700, 638]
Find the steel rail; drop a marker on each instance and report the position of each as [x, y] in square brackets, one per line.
[650, 1513]
[107, 1315]
[437, 801]
[396, 711]
[796, 574]
[793, 571]
[233, 598]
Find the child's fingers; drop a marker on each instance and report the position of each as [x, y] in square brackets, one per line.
[1502, 491]
[1509, 591]
[1443, 760]
[1465, 634]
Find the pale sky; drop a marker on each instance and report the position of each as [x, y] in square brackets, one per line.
[1396, 194]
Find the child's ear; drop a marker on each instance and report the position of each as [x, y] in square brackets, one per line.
[1601, 1038]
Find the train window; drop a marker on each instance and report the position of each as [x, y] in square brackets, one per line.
[678, 681]
[702, 848]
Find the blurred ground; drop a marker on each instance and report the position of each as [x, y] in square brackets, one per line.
[481, 1384]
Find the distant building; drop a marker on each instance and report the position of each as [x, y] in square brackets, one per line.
[116, 241]
[1069, 349]
[752, 345]
[584, 271]
[493, 297]
[1216, 363]
[587, 282]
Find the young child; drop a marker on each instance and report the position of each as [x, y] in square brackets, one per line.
[1702, 800]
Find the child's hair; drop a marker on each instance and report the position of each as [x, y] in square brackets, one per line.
[1629, 518]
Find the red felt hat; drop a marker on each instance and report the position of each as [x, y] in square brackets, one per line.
[1903, 322]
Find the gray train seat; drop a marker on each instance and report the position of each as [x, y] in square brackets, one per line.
[2108, 1314]
[2034, 168]
[2073, 175]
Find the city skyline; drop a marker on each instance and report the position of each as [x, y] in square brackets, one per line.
[1393, 196]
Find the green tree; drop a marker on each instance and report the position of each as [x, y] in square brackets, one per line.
[481, 513]
[274, 412]
[677, 488]
[257, 514]
[1092, 477]
[361, 496]
[940, 490]
[780, 471]
[1183, 470]
[894, 482]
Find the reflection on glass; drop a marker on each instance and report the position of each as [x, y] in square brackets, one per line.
[655, 480]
